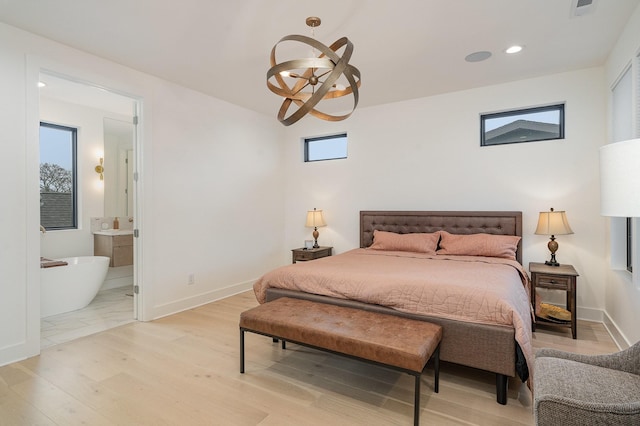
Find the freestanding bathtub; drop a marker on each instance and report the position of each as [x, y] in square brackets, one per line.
[72, 286]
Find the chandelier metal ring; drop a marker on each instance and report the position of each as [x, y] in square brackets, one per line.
[332, 65]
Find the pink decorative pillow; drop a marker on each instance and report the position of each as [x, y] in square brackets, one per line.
[417, 243]
[490, 245]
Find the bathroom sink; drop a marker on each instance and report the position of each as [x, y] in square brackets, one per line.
[111, 232]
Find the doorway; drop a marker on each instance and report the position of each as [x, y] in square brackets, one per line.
[107, 132]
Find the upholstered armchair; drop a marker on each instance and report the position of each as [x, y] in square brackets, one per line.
[572, 389]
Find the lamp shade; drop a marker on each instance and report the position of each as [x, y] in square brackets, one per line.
[315, 219]
[553, 223]
[620, 179]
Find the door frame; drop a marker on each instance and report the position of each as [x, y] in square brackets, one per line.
[137, 150]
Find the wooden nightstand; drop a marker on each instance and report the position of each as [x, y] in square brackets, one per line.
[302, 254]
[561, 277]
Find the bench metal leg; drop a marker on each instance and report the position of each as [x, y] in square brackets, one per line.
[241, 350]
[416, 402]
[436, 367]
[436, 385]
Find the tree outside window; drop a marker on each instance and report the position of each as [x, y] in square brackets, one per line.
[58, 183]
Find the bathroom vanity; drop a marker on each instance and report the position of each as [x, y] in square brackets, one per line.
[117, 244]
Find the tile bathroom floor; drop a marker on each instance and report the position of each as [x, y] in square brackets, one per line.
[109, 309]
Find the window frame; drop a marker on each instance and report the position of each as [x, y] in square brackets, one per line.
[74, 174]
[625, 117]
[629, 240]
[313, 139]
[559, 107]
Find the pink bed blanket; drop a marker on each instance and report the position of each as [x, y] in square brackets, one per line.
[475, 289]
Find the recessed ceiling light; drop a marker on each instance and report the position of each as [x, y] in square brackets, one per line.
[41, 84]
[514, 49]
[478, 56]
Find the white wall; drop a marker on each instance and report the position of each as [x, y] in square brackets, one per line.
[425, 154]
[207, 168]
[622, 298]
[217, 198]
[15, 266]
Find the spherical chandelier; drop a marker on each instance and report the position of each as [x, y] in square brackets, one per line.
[306, 82]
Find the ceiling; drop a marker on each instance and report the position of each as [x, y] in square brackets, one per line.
[404, 49]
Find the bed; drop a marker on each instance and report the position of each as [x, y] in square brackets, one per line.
[492, 332]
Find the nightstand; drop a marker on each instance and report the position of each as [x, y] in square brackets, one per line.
[302, 254]
[561, 277]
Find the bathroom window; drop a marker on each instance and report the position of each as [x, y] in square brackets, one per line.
[58, 177]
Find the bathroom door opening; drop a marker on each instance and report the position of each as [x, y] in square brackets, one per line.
[63, 99]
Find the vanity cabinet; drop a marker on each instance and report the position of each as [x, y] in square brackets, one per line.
[117, 247]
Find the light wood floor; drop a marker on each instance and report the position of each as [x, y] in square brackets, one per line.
[184, 370]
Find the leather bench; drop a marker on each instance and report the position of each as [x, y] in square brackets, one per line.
[400, 343]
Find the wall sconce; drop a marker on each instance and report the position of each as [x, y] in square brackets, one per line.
[315, 219]
[100, 169]
[553, 223]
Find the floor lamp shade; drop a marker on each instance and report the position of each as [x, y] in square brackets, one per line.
[620, 179]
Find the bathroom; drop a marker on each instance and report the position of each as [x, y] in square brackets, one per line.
[105, 138]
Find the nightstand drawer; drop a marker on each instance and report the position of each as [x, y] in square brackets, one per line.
[305, 255]
[552, 281]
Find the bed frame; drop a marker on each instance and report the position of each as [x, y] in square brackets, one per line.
[486, 347]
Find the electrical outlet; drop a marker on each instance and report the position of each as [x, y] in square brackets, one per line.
[192, 279]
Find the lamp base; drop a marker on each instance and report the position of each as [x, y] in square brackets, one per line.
[552, 261]
[553, 247]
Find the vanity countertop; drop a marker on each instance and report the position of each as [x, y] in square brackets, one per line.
[112, 232]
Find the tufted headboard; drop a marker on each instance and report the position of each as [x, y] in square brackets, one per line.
[472, 222]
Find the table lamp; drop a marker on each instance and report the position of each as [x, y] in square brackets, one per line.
[553, 223]
[315, 219]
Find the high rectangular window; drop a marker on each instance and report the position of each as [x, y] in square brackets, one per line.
[58, 177]
[325, 148]
[522, 125]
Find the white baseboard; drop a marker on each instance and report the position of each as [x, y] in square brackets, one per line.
[598, 315]
[590, 314]
[617, 336]
[191, 302]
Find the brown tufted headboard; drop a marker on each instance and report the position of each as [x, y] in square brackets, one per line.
[472, 222]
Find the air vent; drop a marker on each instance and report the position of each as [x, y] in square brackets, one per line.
[582, 7]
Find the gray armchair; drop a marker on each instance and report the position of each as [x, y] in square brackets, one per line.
[573, 389]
